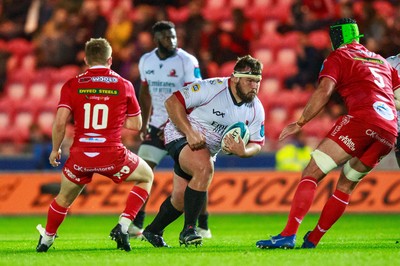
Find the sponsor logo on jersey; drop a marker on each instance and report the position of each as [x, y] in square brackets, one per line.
[218, 113]
[98, 91]
[172, 73]
[158, 83]
[384, 110]
[93, 169]
[98, 98]
[370, 60]
[218, 128]
[197, 73]
[348, 142]
[104, 79]
[150, 72]
[92, 140]
[195, 87]
[84, 80]
[262, 130]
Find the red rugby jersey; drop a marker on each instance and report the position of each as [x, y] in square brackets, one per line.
[366, 83]
[100, 100]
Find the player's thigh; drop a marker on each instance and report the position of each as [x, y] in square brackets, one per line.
[327, 152]
[142, 173]
[69, 191]
[195, 163]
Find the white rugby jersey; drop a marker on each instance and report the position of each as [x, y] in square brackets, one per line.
[165, 77]
[394, 61]
[212, 109]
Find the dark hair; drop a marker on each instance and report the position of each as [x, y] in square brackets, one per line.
[248, 61]
[162, 25]
[343, 31]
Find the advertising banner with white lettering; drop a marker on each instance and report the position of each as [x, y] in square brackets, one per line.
[230, 192]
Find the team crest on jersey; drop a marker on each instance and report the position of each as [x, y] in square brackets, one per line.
[172, 73]
[195, 87]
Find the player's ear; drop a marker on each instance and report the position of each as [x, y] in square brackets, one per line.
[235, 79]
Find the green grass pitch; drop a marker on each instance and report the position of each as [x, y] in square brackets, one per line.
[356, 239]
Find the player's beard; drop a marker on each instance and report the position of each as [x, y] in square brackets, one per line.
[247, 98]
[165, 51]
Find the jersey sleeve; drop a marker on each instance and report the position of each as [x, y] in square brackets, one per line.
[192, 70]
[256, 127]
[330, 68]
[65, 96]
[198, 93]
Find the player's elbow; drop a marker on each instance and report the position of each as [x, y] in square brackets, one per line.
[133, 123]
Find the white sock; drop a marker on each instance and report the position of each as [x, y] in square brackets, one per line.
[124, 222]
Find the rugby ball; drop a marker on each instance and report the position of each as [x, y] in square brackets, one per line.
[237, 129]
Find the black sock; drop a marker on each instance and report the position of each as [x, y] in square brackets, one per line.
[194, 201]
[139, 220]
[203, 221]
[166, 215]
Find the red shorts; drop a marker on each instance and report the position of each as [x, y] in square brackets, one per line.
[367, 142]
[116, 163]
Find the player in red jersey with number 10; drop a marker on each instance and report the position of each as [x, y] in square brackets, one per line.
[100, 102]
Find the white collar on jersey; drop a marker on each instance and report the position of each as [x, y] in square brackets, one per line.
[98, 66]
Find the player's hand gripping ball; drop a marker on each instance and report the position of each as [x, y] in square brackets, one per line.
[238, 129]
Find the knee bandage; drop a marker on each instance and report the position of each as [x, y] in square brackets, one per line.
[351, 174]
[324, 161]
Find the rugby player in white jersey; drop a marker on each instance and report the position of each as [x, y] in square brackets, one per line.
[394, 61]
[198, 116]
[163, 71]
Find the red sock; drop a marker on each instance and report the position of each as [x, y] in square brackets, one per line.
[136, 198]
[301, 203]
[55, 216]
[332, 211]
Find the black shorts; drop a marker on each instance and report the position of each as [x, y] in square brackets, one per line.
[174, 148]
[397, 147]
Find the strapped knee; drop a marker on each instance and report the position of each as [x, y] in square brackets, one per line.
[324, 161]
[352, 174]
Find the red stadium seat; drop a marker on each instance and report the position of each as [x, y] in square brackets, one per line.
[38, 90]
[15, 92]
[320, 39]
[20, 46]
[265, 55]
[44, 120]
[22, 122]
[226, 69]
